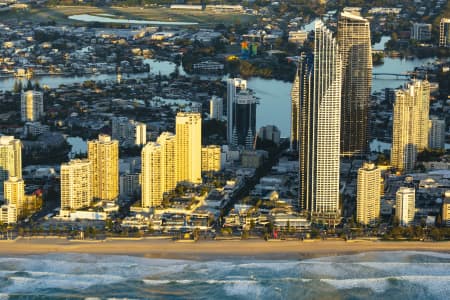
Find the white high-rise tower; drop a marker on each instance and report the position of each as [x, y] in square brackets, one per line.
[10, 159]
[405, 205]
[410, 124]
[368, 194]
[159, 169]
[151, 180]
[31, 106]
[76, 184]
[319, 125]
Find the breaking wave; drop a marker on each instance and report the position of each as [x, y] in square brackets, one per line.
[387, 275]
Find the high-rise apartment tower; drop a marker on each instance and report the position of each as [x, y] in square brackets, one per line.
[368, 194]
[31, 106]
[189, 147]
[353, 35]
[444, 32]
[410, 124]
[319, 125]
[10, 159]
[76, 184]
[104, 156]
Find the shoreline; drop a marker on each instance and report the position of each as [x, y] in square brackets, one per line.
[214, 250]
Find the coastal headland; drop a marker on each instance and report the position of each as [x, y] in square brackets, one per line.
[210, 250]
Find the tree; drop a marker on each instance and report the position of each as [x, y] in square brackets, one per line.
[196, 234]
[269, 227]
[314, 233]
[109, 224]
[436, 234]
[430, 155]
[418, 232]
[382, 159]
[17, 86]
[29, 85]
[409, 232]
[226, 231]
[394, 36]
[397, 232]
[396, 221]
[37, 86]
[252, 223]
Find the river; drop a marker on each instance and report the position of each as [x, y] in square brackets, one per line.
[274, 107]
[156, 66]
[275, 104]
[106, 18]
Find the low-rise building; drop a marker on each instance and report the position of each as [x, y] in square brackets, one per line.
[139, 221]
[297, 37]
[283, 219]
[8, 214]
[82, 215]
[421, 32]
[252, 159]
[211, 158]
[35, 129]
[208, 67]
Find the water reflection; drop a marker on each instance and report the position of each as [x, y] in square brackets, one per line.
[380, 45]
[156, 67]
[79, 146]
[105, 18]
[275, 102]
[396, 66]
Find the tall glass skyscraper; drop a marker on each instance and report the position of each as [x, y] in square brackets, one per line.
[295, 98]
[319, 125]
[234, 85]
[444, 32]
[241, 113]
[354, 44]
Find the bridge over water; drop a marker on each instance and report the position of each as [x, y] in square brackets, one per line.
[397, 76]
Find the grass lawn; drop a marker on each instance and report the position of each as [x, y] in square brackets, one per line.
[60, 15]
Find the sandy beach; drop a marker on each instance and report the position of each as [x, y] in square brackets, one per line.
[204, 250]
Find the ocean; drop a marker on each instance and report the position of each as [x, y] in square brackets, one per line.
[373, 275]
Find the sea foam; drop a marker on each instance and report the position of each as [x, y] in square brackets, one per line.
[385, 274]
